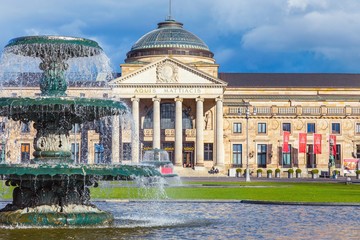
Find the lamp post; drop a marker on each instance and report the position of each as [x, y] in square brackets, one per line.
[247, 115]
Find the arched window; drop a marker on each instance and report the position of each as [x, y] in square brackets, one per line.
[167, 117]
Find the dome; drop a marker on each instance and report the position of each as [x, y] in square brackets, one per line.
[170, 38]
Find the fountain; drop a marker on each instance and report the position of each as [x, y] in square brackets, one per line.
[53, 190]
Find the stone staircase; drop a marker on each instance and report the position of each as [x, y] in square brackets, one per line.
[197, 172]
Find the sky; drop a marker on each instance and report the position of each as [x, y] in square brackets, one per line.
[249, 36]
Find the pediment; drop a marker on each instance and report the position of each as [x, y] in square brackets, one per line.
[167, 71]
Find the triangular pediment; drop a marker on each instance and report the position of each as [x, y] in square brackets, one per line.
[167, 71]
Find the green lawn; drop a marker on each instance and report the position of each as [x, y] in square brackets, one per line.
[268, 191]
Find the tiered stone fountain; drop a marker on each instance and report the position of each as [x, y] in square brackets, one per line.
[53, 190]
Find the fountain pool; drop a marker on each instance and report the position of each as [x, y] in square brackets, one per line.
[207, 220]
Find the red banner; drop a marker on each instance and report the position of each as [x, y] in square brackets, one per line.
[317, 143]
[286, 136]
[332, 142]
[302, 142]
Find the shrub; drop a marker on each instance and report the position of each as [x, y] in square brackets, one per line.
[298, 170]
[315, 171]
[357, 172]
[259, 171]
[337, 172]
[291, 170]
[238, 170]
[269, 171]
[277, 170]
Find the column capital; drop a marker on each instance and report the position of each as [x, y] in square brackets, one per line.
[178, 99]
[156, 99]
[219, 99]
[135, 99]
[199, 99]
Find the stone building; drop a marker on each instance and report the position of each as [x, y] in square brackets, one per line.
[181, 103]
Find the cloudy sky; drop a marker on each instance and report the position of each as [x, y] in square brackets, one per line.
[245, 35]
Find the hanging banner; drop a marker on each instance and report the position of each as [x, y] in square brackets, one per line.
[302, 142]
[332, 142]
[286, 136]
[317, 143]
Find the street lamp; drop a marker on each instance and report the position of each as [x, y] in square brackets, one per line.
[247, 115]
[331, 156]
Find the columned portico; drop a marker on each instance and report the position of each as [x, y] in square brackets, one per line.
[178, 131]
[199, 131]
[135, 133]
[219, 133]
[156, 123]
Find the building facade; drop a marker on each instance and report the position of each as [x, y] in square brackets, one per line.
[181, 103]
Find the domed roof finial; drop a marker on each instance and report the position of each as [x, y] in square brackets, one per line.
[169, 18]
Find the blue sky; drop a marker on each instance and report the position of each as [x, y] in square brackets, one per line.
[265, 36]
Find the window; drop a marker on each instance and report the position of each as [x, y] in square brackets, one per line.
[2, 127]
[357, 151]
[261, 127]
[75, 128]
[25, 153]
[2, 152]
[126, 151]
[208, 151]
[335, 128]
[82, 94]
[286, 127]
[261, 155]
[237, 154]
[167, 116]
[357, 128]
[105, 95]
[310, 157]
[286, 158]
[237, 128]
[311, 128]
[75, 152]
[99, 153]
[25, 127]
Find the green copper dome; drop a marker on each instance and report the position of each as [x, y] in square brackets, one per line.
[169, 38]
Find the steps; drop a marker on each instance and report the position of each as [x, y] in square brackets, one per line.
[197, 172]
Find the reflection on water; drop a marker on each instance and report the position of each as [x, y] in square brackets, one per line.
[189, 220]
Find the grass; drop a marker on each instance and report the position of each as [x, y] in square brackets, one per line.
[267, 191]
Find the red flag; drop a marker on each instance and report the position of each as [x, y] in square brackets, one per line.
[302, 142]
[333, 142]
[286, 136]
[317, 143]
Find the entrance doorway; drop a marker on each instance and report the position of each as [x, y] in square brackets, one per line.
[188, 155]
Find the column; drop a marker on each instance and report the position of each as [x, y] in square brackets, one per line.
[135, 140]
[156, 123]
[178, 131]
[115, 143]
[199, 132]
[219, 132]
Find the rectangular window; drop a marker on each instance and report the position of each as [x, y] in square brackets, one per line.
[208, 151]
[357, 128]
[237, 128]
[25, 153]
[99, 153]
[75, 152]
[2, 152]
[126, 151]
[335, 128]
[357, 151]
[237, 154]
[261, 155]
[310, 157]
[25, 127]
[2, 127]
[311, 128]
[261, 127]
[286, 158]
[75, 128]
[286, 127]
